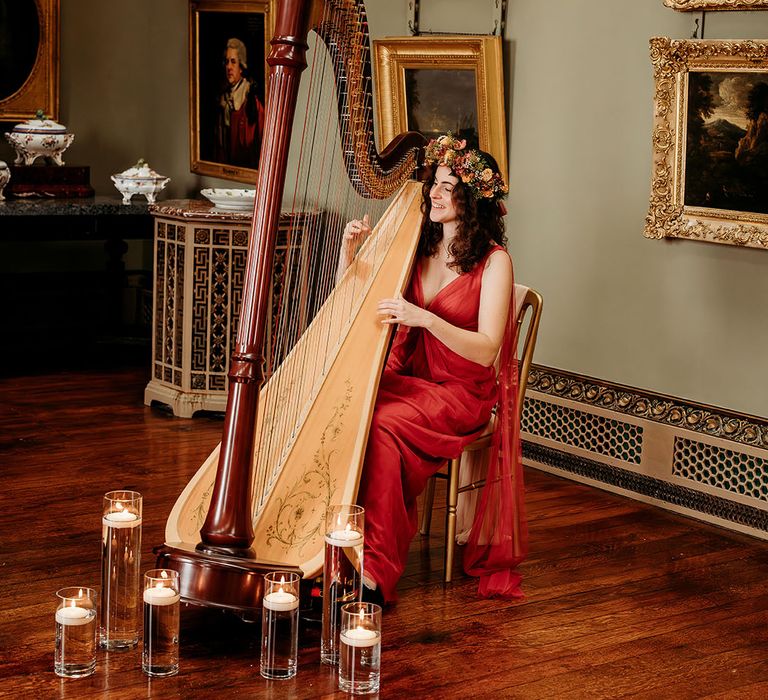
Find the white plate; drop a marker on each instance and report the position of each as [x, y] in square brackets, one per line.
[237, 200]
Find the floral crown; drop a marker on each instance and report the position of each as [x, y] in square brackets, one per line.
[469, 165]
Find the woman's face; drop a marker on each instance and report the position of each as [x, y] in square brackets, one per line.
[443, 209]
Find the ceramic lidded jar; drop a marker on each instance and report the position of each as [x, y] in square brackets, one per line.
[5, 178]
[39, 137]
[140, 179]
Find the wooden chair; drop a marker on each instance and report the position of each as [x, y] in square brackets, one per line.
[526, 300]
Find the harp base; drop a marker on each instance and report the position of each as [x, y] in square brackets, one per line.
[217, 580]
[230, 552]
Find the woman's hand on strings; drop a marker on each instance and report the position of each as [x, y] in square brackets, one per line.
[398, 310]
[355, 232]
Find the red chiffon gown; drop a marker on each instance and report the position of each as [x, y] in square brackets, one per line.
[431, 403]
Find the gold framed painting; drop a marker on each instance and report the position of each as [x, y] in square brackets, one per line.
[228, 47]
[685, 5]
[710, 142]
[29, 58]
[437, 84]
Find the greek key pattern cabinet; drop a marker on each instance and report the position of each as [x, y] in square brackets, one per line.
[199, 264]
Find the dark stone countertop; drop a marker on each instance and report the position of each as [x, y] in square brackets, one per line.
[85, 206]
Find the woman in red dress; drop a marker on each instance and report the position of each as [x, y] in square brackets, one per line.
[439, 386]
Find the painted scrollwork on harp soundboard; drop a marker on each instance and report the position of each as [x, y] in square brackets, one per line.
[710, 109]
[312, 492]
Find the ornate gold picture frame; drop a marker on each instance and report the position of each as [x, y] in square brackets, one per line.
[435, 84]
[710, 139]
[228, 47]
[29, 58]
[685, 5]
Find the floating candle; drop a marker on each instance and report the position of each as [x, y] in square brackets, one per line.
[280, 601]
[360, 637]
[121, 518]
[161, 595]
[74, 615]
[345, 538]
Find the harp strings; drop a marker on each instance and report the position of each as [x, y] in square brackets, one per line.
[321, 204]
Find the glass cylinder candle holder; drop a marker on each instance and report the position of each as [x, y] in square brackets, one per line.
[75, 650]
[280, 625]
[120, 561]
[360, 645]
[342, 572]
[161, 622]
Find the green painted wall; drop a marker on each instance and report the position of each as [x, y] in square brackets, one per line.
[677, 317]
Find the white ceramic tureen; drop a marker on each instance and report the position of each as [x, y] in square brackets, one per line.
[37, 138]
[140, 179]
[5, 178]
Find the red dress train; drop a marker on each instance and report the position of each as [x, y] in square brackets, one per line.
[431, 403]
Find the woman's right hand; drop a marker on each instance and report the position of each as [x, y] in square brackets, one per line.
[355, 232]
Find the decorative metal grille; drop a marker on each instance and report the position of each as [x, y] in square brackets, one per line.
[570, 426]
[733, 471]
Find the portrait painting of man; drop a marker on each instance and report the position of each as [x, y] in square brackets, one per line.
[229, 89]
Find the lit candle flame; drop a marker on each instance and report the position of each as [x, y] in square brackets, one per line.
[282, 583]
[163, 574]
[348, 527]
[118, 506]
[159, 584]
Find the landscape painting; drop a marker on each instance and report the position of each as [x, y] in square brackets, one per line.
[726, 163]
[442, 101]
[709, 177]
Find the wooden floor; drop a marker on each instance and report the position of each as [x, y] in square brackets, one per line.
[622, 599]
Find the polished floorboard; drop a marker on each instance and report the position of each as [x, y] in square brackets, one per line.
[623, 600]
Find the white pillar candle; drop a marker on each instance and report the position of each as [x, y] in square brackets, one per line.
[360, 637]
[121, 519]
[281, 600]
[161, 595]
[73, 615]
[344, 538]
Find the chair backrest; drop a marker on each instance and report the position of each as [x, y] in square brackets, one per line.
[526, 299]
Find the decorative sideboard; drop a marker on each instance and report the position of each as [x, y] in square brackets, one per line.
[64, 282]
[199, 264]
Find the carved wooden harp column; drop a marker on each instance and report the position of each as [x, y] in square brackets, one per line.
[224, 567]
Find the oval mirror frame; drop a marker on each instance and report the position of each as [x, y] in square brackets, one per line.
[41, 88]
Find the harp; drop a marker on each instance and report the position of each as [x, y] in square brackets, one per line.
[296, 423]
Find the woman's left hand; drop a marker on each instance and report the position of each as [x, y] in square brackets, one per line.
[400, 311]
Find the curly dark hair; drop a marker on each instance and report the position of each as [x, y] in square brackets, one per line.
[480, 224]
